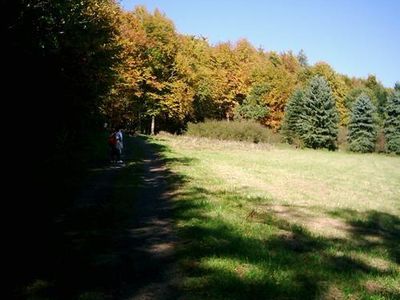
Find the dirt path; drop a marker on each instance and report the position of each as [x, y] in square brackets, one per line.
[113, 259]
[150, 239]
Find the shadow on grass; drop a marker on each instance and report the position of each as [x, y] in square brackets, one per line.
[373, 230]
[284, 261]
[262, 257]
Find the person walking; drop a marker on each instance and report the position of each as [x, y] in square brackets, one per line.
[119, 144]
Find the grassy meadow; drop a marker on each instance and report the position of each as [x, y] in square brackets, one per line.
[271, 222]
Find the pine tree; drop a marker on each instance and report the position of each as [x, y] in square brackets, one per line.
[293, 109]
[397, 86]
[318, 122]
[362, 128]
[392, 123]
[302, 58]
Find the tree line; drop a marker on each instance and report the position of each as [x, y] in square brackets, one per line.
[167, 79]
[89, 62]
[312, 118]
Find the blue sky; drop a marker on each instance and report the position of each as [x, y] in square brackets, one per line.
[355, 37]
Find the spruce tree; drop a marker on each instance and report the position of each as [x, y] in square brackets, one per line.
[392, 123]
[397, 86]
[362, 128]
[293, 109]
[318, 122]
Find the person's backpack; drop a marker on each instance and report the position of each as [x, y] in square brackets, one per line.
[112, 139]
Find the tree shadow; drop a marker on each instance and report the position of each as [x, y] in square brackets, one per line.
[287, 262]
[373, 230]
[90, 248]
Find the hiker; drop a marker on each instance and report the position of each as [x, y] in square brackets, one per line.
[112, 143]
[119, 144]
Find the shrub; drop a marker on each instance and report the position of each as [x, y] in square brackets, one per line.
[244, 130]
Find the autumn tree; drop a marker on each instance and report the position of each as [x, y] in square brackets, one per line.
[204, 85]
[227, 83]
[124, 104]
[278, 84]
[379, 94]
[158, 64]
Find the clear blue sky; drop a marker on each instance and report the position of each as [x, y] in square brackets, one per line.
[356, 37]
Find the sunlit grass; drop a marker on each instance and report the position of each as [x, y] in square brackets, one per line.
[260, 221]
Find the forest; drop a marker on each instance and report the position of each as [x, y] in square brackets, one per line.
[91, 62]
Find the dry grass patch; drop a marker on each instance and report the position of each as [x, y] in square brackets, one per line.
[313, 221]
[332, 292]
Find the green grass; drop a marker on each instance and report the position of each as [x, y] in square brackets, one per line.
[261, 222]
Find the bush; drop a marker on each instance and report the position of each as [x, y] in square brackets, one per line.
[249, 131]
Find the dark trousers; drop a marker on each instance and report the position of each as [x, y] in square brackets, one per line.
[115, 153]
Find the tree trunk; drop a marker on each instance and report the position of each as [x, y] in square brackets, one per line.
[227, 116]
[153, 124]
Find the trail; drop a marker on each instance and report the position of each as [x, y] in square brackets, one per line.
[150, 240]
[140, 263]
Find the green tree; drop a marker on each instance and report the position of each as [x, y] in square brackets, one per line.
[302, 58]
[338, 87]
[362, 128]
[379, 95]
[294, 107]
[319, 119]
[392, 123]
[397, 86]
[253, 107]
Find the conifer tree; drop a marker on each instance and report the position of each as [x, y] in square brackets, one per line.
[293, 109]
[362, 128]
[397, 86]
[318, 122]
[392, 123]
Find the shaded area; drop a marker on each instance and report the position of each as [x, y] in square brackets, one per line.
[373, 229]
[116, 240]
[124, 247]
[148, 241]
